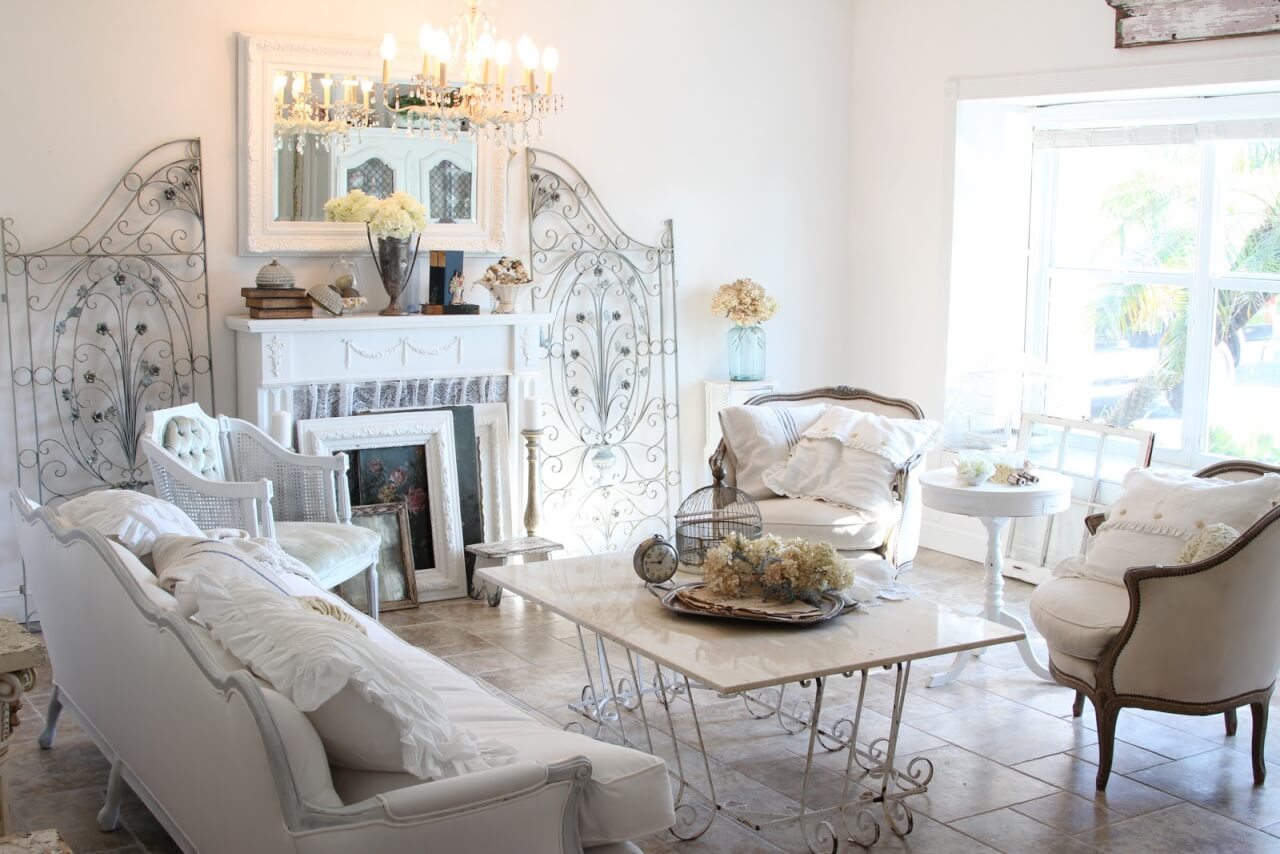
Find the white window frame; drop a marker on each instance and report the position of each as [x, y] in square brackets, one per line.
[1199, 122]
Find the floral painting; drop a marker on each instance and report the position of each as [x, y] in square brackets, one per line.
[388, 475]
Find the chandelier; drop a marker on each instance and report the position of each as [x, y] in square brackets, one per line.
[468, 88]
[305, 117]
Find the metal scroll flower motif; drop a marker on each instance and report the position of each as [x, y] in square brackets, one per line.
[120, 316]
[609, 473]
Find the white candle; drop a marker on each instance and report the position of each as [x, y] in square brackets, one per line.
[531, 414]
[282, 428]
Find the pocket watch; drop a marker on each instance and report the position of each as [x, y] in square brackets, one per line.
[656, 560]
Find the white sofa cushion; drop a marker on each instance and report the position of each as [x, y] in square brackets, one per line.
[1079, 616]
[628, 792]
[133, 519]
[846, 529]
[759, 436]
[334, 552]
[179, 559]
[1159, 513]
[850, 458]
[371, 712]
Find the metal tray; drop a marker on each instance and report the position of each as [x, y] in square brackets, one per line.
[831, 604]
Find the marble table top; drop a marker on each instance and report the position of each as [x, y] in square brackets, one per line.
[510, 548]
[602, 593]
[19, 650]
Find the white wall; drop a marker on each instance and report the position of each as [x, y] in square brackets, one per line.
[906, 70]
[728, 116]
[902, 150]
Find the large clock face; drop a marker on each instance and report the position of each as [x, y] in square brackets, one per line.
[656, 561]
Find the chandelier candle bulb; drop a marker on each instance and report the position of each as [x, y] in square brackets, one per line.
[388, 51]
[277, 88]
[366, 87]
[327, 84]
[550, 61]
[502, 53]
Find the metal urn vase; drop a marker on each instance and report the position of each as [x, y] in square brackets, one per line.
[395, 258]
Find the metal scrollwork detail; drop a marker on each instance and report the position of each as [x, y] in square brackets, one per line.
[610, 466]
[107, 325]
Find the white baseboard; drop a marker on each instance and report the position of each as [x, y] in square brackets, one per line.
[965, 537]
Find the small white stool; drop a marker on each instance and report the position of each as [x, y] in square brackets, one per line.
[500, 553]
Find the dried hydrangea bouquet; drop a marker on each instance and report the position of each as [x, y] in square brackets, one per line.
[504, 280]
[774, 569]
[397, 222]
[747, 305]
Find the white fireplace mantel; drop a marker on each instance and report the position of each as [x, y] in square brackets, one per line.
[273, 356]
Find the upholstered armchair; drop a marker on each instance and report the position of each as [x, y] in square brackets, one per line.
[226, 473]
[1196, 639]
[851, 533]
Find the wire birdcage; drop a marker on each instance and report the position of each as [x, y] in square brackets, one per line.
[709, 515]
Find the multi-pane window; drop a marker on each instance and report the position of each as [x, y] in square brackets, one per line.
[1154, 275]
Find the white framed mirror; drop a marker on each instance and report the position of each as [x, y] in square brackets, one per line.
[287, 176]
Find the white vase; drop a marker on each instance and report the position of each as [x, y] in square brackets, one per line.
[506, 297]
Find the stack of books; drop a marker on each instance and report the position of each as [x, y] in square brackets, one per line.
[277, 302]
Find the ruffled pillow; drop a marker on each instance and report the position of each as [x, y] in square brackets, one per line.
[371, 711]
[178, 560]
[1160, 513]
[133, 519]
[850, 458]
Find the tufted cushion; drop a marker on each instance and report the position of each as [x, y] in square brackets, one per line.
[846, 529]
[335, 552]
[195, 446]
[1079, 616]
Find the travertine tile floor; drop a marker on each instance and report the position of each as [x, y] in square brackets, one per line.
[1014, 771]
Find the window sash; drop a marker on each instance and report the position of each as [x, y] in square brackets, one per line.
[1201, 282]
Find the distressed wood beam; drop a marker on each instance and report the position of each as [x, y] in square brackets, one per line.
[1147, 22]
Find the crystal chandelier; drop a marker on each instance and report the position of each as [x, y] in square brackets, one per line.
[467, 87]
[303, 117]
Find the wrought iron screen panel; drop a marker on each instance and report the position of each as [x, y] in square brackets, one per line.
[610, 471]
[107, 325]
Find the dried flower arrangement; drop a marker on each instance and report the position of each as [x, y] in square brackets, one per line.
[744, 302]
[507, 271]
[775, 569]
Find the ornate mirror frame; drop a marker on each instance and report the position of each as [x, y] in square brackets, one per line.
[260, 56]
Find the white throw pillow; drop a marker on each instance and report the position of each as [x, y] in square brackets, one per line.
[133, 519]
[1159, 513]
[759, 436]
[180, 559]
[371, 711]
[850, 458]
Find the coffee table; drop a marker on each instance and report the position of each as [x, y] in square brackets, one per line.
[601, 594]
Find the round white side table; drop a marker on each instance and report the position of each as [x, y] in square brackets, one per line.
[995, 504]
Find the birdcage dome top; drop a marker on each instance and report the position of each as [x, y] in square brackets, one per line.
[709, 515]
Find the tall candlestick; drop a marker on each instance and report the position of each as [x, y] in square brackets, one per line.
[533, 501]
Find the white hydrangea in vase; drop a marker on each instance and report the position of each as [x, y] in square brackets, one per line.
[748, 305]
[397, 222]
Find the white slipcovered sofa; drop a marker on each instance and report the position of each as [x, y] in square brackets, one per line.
[227, 764]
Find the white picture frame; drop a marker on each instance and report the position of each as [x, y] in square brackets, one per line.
[434, 431]
[261, 57]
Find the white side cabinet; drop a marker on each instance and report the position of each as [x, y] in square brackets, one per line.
[722, 393]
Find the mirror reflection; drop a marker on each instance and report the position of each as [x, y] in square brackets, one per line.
[342, 140]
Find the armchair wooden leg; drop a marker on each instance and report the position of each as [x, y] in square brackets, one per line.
[1106, 716]
[1232, 721]
[1260, 711]
[1077, 707]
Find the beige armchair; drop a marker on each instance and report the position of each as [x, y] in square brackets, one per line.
[1195, 639]
[818, 520]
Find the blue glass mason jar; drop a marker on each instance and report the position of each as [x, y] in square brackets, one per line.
[746, 352]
